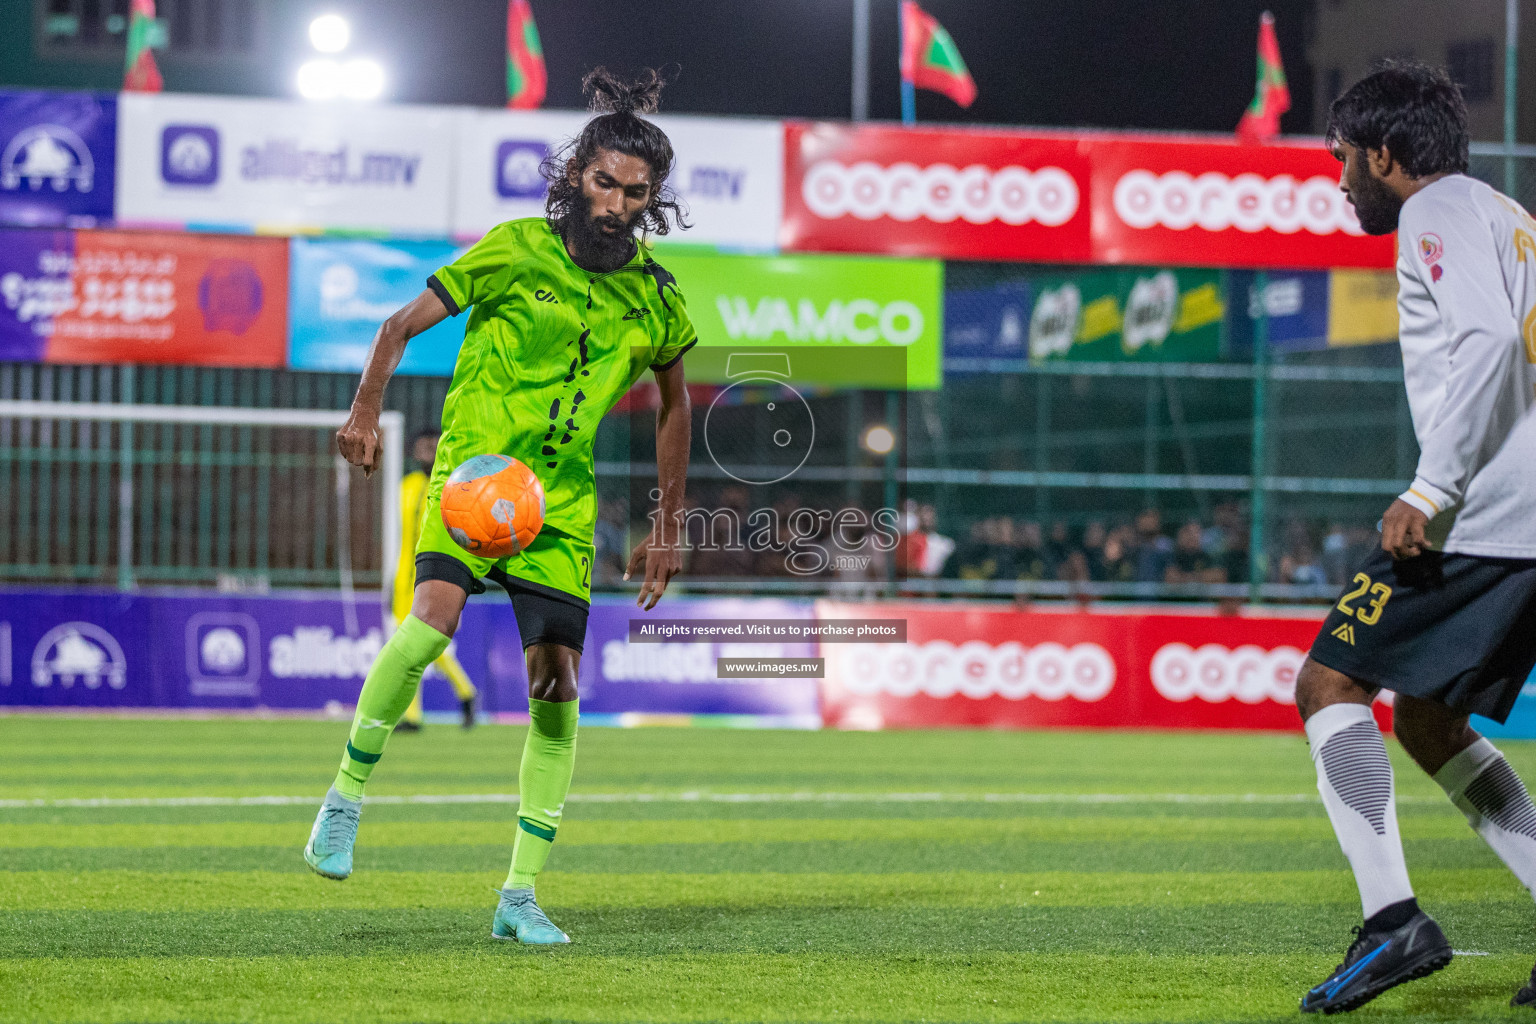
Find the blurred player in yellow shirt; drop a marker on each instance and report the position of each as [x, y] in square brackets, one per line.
[413, 505]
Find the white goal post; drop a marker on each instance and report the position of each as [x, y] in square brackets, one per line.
[391, 426]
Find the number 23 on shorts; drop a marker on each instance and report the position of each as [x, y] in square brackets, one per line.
[1377, 593]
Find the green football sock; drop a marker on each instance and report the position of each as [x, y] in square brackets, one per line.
[543, 780]
[387, 692]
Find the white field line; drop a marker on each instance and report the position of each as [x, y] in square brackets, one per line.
[695, 796]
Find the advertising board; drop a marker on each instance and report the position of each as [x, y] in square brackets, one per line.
[311, 652]
[974, 195]
[1069, 198]
[842, 305]
[728, 172]
[143, 297]
[342, 289]
[58, 158]
[983, 665]
[1215, 203]
[274, 165]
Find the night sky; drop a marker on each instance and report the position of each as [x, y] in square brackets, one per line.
[1177, 64]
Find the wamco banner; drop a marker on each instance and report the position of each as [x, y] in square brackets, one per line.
[269, 164]
[341, 291]
[729, 172]
[840, 307]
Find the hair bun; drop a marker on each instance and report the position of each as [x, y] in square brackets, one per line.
[608, 94]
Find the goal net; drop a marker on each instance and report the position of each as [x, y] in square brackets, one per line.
[237, 498]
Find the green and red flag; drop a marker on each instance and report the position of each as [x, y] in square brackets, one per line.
[144, 32]
[929, 58]
[1271, 97]
[526, 78]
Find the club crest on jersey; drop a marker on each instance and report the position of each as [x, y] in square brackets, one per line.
[1431, 248]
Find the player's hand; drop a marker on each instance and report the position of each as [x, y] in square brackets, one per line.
[358, 439]
[1402, 531]
[661, 561]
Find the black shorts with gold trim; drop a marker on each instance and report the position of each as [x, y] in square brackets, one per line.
[1456, 629]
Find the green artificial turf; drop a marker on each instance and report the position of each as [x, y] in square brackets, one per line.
[714, 875]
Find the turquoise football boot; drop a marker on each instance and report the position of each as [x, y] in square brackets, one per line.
[329, 850]
[519, 919]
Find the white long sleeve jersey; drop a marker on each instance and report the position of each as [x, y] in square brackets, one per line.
[1466, 271]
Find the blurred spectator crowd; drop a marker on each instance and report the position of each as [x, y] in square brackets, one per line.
[1140, 549]
[1144, 549]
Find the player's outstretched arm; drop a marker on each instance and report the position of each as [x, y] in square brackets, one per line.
[661, 551]
[358, 438]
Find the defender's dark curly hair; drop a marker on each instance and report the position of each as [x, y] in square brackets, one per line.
[619, 127]
[1413, 109]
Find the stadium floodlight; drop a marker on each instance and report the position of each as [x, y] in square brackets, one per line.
[326, 79]
[330, 33]
[319, 79]
[878, 440]
[362, 79]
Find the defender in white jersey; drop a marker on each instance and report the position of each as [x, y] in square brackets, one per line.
[1444, 614]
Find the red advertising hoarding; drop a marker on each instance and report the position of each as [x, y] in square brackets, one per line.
[1210, 203]
[1064, 198]
[1004, 668]
[149, 297]
[986, 195]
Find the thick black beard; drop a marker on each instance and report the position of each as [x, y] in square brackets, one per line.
[592, 248]
[1376, 206]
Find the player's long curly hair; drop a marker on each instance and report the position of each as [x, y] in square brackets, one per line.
[617, 126]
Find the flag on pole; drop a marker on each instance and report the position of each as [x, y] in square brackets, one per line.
[140, 71]
[1271, 96]
[526, 78]
[929, 58]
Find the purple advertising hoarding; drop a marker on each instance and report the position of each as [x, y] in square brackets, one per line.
[35, 286]
[78, 650]
[72, 648]
[86, 649]
[58, 157]
[618, 676]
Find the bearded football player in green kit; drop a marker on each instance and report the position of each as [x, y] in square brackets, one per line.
[565, 313]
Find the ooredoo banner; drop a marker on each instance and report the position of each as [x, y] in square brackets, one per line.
[143, 297]
[341, 291]
[1059, 198]
[269, 164]
[976, 666]
[1224, 203]
[987, 666]
[58, 154]
[953, 194]
[728, 172]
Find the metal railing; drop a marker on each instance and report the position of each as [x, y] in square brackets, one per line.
[242, 498]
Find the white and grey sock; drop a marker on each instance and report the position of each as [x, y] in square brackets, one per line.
[1355, 779]
[1486, 789]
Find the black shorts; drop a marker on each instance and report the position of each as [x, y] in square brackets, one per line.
[1456, 629]
[544, 615]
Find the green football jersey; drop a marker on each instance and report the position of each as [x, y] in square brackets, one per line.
[548, 349]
